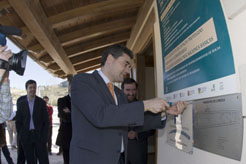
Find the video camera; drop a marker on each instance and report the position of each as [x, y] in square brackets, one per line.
[18, 61]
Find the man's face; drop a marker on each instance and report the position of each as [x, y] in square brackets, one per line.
[120, 67]
[31, 90]
[46, 100]
[130, 90]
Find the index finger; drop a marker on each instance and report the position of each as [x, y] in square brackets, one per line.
[2, 48]
[166, 105]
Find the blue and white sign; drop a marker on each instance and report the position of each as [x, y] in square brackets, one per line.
[196, 50]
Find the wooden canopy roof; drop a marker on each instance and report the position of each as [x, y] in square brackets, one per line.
[68, 36]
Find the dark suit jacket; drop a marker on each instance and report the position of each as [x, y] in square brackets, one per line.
[40, 119]
[98, 124]
[65, 130]
[138, 147]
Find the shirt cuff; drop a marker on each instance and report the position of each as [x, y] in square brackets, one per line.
[163, 118]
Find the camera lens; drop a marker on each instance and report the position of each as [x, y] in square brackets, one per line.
[18, 62]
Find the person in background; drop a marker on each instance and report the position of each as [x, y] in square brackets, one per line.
[6, 106]
[137, 141]
[20, 152]
[50, 112]
[65, 130]
[32, 123]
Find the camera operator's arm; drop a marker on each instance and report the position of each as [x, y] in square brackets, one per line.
[6, 107]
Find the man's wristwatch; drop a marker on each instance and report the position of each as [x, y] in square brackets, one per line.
[4, 64]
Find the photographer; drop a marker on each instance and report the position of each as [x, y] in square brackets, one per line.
[5, 96]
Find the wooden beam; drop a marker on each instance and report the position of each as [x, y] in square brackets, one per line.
[140, 67]
[98, 44]
[149, 61]
[88, 64]
[4, 4]
[97, 30]
[60, 73]
[54, 67]
[87, 57]
[92, 10]
[46, 59]
[91, 32]
[32, 14]
[78, 60]
[143, 15]
[87, 69]
[36, 48]
[145, 35]
[90, 68]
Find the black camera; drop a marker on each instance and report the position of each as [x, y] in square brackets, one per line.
[18, 61]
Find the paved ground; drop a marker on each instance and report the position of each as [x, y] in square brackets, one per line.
[54, 159]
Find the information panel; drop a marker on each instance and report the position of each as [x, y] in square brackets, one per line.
[218, 125]
[196, 50]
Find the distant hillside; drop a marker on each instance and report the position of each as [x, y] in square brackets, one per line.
[16, 93]
[53, 92]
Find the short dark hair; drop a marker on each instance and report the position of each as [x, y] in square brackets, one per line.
[116, 51]
[45, 97]
[30, 82]
[128, 81]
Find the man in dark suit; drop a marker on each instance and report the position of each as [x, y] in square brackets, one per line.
[137, 140]
[20, 152]
[101, 114]
[65, 130]
[32, 123]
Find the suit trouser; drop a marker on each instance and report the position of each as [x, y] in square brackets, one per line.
[49, 139]
[6, 153]
[21, 156]
[35, 150]
[65, 155]
[122, 158]
[137, 151]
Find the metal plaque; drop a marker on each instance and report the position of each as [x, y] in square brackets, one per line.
[218, 125]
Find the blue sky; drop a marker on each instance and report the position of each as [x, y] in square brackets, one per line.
[33, 71]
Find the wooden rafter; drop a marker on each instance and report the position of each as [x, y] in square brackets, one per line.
[89, 68]
[143, 15]
[88, 64]
[97, 30]
[98, 44]
[92, 32]
[4, 4]
[99, 8]
[46, 58]
[54, 67]
[87, 57]
[78, 60]
[35, 19]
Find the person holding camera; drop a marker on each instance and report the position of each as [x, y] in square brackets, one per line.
[6, 106]
[5, 96]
